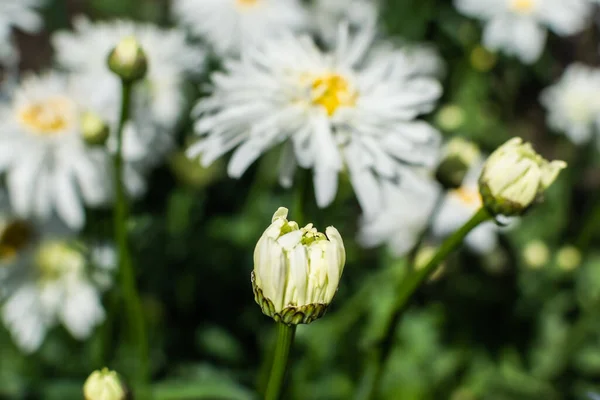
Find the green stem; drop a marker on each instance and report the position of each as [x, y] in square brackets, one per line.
[592, 221]
[133, 305]
[380, 351]
[285, 338]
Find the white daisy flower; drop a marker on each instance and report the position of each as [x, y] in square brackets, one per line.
[50, 280]
[403, 218]
[573, 103]
[19, 14]
[458, 207]
[232, 25]
[158, 100]
[47, 163]
[519, 27]
[328, 14]
[336, 112]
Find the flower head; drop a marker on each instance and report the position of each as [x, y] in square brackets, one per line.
[352, 111]
[519, 27]
[514, 177]
[103, 385]
[296, 270]
[231, 25]
[158, 99]
[573, 104]
[48, 164]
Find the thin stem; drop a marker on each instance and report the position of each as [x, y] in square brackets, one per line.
[285, 338]
[592, 221]
[381, 350]
[133, 306]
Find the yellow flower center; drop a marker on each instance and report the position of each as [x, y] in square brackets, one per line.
[246, 3]
[49, 117]
[522, 6]
[332, 91]
[468, 196]
[15, 236]
[56, 258]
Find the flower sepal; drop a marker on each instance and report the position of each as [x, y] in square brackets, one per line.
[290, 315]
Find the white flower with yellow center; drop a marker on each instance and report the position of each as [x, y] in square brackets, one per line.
[459, 206]
[327, 15]
[230, 26]
[336, 112]
[49, 280]
[22, 15]
[519, 27]
[403, 218]
[48, 165]
[573, 103]
[158, 98]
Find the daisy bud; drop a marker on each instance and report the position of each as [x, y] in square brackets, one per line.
[104, 385]
[458, 157]
[296, 270]
[514, 177]
[94, 130]
[128, 60]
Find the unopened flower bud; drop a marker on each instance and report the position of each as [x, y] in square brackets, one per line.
[94, 130]
[514, 177]
[296, 270]
[459, 155]
[128, 60]
[104, 385]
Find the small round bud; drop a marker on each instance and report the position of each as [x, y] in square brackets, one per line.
[94, 130]
[536, 254]
[568, 258]
[459, 155]
[104, 385]
[128, 60]
[296, 270]
[514, 177]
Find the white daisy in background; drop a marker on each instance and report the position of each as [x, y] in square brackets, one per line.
[458, 207]
[49, 279]
[19, 14]
[232, 25]
[158, 100]
[573, 103]
[403, 218]
[327, 15]
[48, 165]
[336, 112]
[519, 27]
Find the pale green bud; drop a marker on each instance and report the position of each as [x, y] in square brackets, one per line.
[536, 254]
[568, 258]
[128, 60]
[94, 130]
[104, 385]
[296, 270]
[514, 177]
[458, 156]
